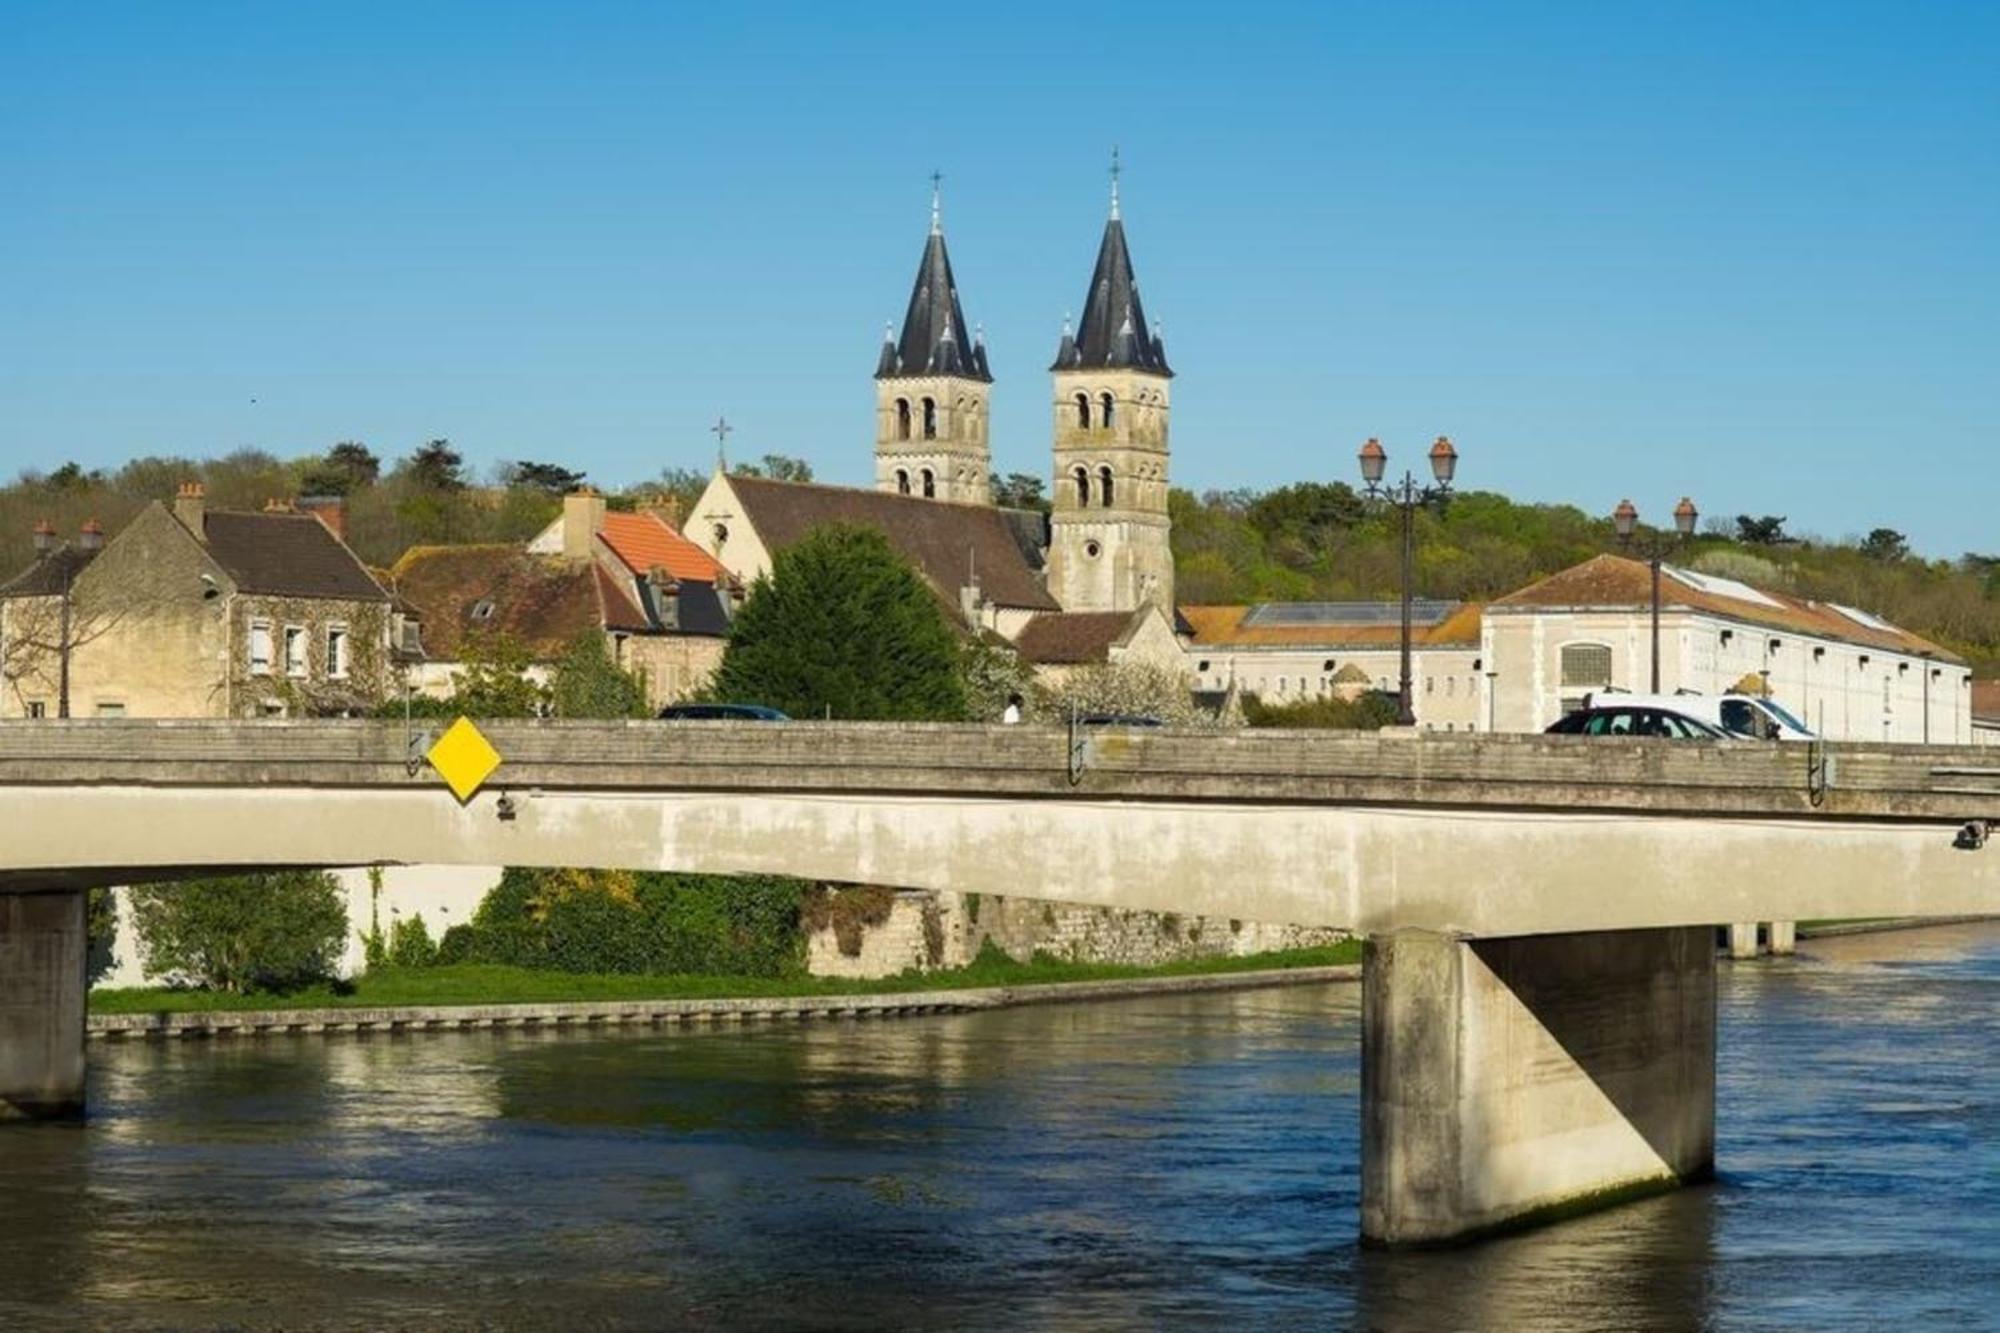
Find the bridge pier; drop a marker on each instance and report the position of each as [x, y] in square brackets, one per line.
[43, 947]
[1510, 1081]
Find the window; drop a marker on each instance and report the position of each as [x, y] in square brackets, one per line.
[37, 708]
[1450, 686]
[1092, 549]
[336, 652]
[260, 647]
[271, 708]
[1083, 410]
[930, 484]
[1082, 478]
[1585, 667]
[410, 633]
[930, 418]
[1430, 684]
[295, 650]
[1104, 410]
[721, 534]
[902, 481]
[1104, 485]
[110, 708]
[902, 418]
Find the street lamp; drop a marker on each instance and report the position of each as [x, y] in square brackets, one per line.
[1625, 518]
[1408, 497]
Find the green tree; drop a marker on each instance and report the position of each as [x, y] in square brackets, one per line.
[495, 680]
[844, 627]
[436, 466]
[347, 467]
[1019, 490]
[267, 932]
[587, 683]
[1766, 531]
[550, 478]
[1886, 545]
[778, 467]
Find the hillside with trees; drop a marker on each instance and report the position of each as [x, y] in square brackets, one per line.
[1308, 540]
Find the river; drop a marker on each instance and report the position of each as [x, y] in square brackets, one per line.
[1132, 1164]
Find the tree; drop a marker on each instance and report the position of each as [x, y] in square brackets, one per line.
[778, 467]
[437, 467]
[1124, 687]
[1019, 490]
[548, 477]
[1306, 509]
[495, 681]
[347, 467]
[1886, 545]
[1766, 531]
[844, 627]
[587, 683]
[273, 932]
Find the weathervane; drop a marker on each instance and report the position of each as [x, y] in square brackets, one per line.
[1114, 182]
[937, 182]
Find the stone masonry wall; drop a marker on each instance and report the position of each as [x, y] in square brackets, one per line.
[1023, 927]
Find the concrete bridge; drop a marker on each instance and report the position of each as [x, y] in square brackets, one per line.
[1539, 991]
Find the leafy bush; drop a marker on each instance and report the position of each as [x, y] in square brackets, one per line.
[410, 944]
[268, 932]
[618, 921]
[1368, 712]
[587, 683]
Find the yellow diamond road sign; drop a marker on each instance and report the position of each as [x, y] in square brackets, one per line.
[464, 758]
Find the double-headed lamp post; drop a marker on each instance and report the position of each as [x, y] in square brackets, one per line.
[1407, 496]
[89, 538]
[1625, 518]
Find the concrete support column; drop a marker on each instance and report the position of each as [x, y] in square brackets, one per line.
[1783, 937]
[1508, 1081]
[1742, 939]
[43, 945]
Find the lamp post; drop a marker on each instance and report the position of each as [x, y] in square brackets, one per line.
[1625, 518]
[1408, 497]
[90, 538]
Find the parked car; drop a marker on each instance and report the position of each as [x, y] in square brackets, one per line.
[721, 713]
[1623, 719]
[1120, 720]
[1741, 715]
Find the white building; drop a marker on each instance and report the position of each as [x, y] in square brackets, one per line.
[1287, 652]
[1849, 674]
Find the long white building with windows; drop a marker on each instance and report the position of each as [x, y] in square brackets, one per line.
[1849, 674]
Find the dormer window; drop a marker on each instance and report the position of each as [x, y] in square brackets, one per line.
[482, 610]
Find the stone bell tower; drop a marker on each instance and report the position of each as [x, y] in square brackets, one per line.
[931, 388]
[1108, 548]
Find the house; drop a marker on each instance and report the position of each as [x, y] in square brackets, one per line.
[1057, 644]
[1850, 674]
[1289, 652]
[1986, 712]
[662, 604]
[192, 612]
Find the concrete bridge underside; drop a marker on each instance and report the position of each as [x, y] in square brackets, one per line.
[1539, 1004]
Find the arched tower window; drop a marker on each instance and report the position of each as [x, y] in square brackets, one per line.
[1104, 485]
[902, 481]
[1083, 410]
[1104, 409]
[1082, 478]
[930, 484]
[902, 418]
[930, 418]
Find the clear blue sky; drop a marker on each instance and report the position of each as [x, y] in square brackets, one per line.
[1749, 252]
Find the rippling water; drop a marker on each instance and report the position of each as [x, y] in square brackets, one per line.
[1129, 1164]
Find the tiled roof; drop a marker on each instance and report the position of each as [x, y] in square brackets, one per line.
[1615, 582]
[542, 602]
[1226, 627]
[1114, 332]
[934, 340]
[286, 555]
[943, 540]
[645, 543]
[44, 578]
[1065, 637]
[1986, 700]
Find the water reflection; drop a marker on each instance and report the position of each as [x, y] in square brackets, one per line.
[1133, 1164]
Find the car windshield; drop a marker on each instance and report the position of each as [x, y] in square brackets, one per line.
[1779, 711]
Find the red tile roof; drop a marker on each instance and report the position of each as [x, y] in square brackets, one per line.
[645, 543]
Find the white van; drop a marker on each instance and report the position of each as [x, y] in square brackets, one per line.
[1743, 715]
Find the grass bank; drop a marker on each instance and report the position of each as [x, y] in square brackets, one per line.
[484, 983]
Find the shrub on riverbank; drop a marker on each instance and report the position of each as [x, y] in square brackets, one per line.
[620, 921]
[242, 933]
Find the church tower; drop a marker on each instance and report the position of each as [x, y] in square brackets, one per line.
[931, 388]
[1108, 546]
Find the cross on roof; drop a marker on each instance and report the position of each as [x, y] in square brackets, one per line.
[1115, 169]
[720, 430]
[937, 182]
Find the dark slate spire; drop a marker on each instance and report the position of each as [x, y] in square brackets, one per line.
[934, 341]
[1114, 333]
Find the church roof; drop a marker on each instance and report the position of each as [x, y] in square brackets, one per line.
[1114, 334]
[1064, 638]
[945, 541]
[935, 340]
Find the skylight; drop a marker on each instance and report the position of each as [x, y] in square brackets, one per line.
[1716, 586]
[1863, 618]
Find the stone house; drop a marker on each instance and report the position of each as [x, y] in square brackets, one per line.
[1848, 674]
[1060, 643]
[662, 604]
[1289, 652]
[191, 612]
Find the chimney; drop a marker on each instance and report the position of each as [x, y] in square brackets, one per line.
[583, 519]
[191, 508]
[666, 508]
[276, 506]
[330, 510]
